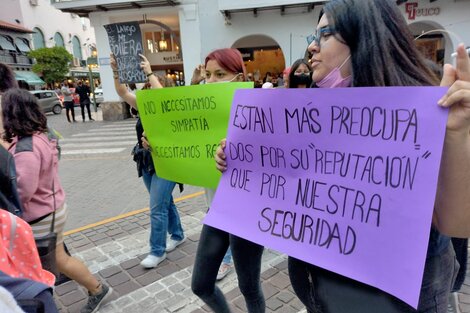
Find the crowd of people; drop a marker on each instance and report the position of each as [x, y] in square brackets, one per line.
[356, 43]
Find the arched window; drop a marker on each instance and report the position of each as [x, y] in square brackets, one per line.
[38, 38]
[77, 49]
[59, 40]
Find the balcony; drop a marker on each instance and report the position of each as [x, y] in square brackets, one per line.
[229, 6]
[84, 7]
[15, 59]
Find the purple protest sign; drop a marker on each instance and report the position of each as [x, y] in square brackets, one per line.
[341, 178]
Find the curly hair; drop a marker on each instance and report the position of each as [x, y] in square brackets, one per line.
[7, 78]
[21, 114]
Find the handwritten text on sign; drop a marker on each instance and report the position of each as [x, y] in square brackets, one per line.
[184, 125]
[125, 41]
[341, 178]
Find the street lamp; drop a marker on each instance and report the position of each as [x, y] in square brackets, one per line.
[91, 63]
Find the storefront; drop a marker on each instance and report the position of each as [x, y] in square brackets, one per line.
[438, 26]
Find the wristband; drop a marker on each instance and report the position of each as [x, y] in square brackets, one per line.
[149, 74]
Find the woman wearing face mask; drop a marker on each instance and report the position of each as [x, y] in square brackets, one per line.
[226, 65]
[300, 75]
[367, 43]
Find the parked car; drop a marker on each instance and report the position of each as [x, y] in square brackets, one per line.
[48, 101]
[98, 96]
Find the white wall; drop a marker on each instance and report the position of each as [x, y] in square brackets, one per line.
[290, 30]
[106, 74]
[50, 20]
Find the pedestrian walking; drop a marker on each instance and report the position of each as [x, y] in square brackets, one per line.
[39, 187]
[225, 65]
[164, 216]
[83, 92]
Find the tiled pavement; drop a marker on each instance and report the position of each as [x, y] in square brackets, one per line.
[114, 250]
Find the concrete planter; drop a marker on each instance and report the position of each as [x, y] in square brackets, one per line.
[115, 111]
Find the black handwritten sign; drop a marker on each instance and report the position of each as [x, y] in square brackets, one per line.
[342, 178]
[125, 41]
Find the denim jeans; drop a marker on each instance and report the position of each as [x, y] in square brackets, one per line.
[227, 257]
[164, 216]
[322, 291]
[213, 244]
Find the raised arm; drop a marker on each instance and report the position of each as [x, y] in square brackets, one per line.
[198, 75]
[452, 210]
[121, 89]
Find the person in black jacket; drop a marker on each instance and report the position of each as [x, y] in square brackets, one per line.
[84, 92]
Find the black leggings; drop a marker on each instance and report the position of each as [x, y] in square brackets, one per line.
[83, 104]
[213, 244]
[69, 108]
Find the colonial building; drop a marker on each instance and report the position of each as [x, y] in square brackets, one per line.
[37, 24]
[271, 34]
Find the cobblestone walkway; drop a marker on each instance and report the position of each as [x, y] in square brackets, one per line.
[114, 250]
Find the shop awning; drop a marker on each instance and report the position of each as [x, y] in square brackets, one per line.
[29, 77]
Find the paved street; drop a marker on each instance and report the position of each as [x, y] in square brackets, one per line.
[100, 180]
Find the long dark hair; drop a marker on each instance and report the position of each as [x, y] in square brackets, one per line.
[382, 49]
[7, 78]
[21, 114]
[294, 67]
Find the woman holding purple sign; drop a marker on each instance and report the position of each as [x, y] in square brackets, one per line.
[361, 43]
[222, 66]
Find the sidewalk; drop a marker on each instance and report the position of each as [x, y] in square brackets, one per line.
[114, 250]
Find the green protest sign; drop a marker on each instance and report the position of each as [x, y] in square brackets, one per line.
[184, 125]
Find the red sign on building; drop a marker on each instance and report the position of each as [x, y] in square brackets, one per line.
[413, 11]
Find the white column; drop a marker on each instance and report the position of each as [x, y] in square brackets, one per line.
[190, 39]
[102, 46]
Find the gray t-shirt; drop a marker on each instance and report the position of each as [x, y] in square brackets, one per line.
[67, 93]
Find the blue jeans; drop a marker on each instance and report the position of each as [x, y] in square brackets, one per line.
[213, 244]
[228, 257]
[164, 216]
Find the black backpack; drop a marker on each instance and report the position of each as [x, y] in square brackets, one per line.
[9, 199]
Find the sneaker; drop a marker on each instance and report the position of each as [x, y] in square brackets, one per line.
[224, 269]
[172, 244]
[94, 302]
[152, 261]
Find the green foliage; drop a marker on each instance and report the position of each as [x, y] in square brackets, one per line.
[53, 63]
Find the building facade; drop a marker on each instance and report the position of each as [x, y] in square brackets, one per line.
[271, 34]
[50, 27]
